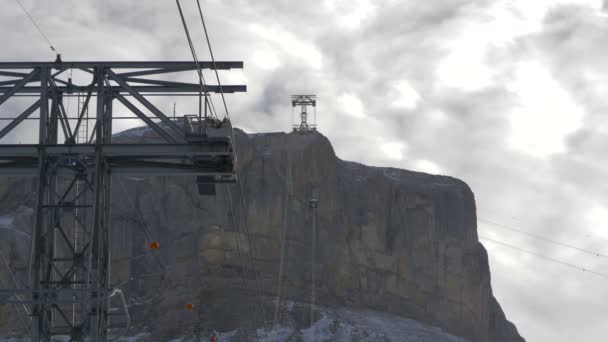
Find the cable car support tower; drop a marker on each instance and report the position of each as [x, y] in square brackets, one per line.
[304, 101]
[68, 289]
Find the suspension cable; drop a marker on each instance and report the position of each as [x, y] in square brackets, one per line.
[242, 200]
[541, 256]
[202, 82]
[227, 113]
[37, 26]
[238, 249]
[252, 250]
[283, 247]
[542, 238]
[313, 269]
[217, 76]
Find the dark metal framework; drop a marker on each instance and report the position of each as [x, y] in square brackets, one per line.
[304, 101]
[68, 291]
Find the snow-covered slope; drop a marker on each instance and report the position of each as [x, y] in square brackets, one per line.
[359, 325]
[342, 325]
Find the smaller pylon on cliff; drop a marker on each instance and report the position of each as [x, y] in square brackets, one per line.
[304, 101]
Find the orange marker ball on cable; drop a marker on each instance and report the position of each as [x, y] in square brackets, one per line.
[154, 245]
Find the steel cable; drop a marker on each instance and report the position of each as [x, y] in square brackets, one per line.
[238, 248]
[542, 238]
[580, 268]
[37, 26]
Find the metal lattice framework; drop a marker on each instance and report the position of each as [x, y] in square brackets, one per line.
[68, 289]
[304, 101]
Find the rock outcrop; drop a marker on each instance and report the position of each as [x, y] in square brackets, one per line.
[389, 240]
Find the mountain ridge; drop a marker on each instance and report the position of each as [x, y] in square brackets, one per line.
[390, 240]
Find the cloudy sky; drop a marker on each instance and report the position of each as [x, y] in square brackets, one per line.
[508, 95]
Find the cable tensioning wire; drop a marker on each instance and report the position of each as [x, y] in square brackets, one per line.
[190, 44]
[542, 238]
[251, 247]
[603, 275]
[195, 57]
[37, 27]
[313, 264]
[242, 197]
[192, 51]
[276, 317]
[594, 236]
[217, 75]
[238, 248]
[213, 111]
[220, 85]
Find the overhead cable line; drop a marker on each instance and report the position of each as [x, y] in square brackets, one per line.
[199, 70]
[276, 317]
[519, 221]
[542, 238]
[312, 271]
[227, 112]
[251, 246]
[247, 232]
[217, 75]
[240, 254]
[240, 185]
[198, 67]
[37, 27]
[563, 263]
[202, 80]
[219, 83]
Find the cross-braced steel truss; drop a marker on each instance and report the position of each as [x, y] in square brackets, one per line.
[69, 290]
[304, 101]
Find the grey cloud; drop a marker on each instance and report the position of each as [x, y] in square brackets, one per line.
[405, 40]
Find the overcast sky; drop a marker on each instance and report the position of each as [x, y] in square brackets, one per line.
[509, 96]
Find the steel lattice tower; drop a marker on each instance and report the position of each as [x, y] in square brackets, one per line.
[69, 291]
[304, 101]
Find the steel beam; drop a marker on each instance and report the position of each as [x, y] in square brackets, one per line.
[10, 91]
[146, 119]
[20, 118]
[69, 281]
[219, 65]
[12, 74]
[10, 82]
[154, 71]
[83, 111]
[140, 89]
[180, 132]
[63, 116]
[44, 105]
[165, 83]
[209, 147]
[122, 170]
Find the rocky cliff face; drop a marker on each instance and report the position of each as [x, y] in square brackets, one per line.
[389, 240]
